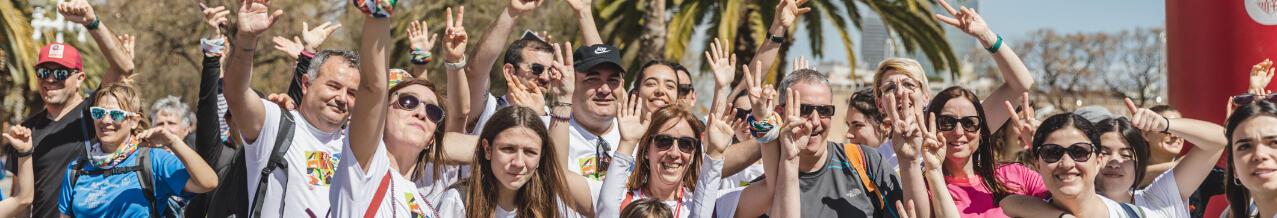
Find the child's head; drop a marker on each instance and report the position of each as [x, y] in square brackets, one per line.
[646, 208]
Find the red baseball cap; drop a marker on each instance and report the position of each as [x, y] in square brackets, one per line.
[61, 54]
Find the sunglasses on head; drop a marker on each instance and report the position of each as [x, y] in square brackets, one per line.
[948, 122]
[58, 74]
[825, 111]
[685, 89]
[685, 144]
[410, 103]
[536, 69]
[743, 113]
[1247, 98]
[99, 113]
[1080, 152]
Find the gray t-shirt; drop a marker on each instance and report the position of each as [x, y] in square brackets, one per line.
[835, 190]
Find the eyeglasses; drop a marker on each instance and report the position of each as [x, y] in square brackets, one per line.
[948, 122]
[58, 74]
[685, 144]
[743, 113]
[116, 114]
[889, 87]
[1051, 153]
[825, 111]
[685, 89]
[410, 103]
[537, 69]
[1247, 98]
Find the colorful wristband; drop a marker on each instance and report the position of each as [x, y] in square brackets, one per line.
[421, 57]
[213, 47]
[94, 24]
[996, 45]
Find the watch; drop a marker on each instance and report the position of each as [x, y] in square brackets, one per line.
[26, 153]
[775, 38]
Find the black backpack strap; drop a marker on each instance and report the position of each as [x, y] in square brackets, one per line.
[147, 180]
[75, 176]
[1130, 212]
[283, 140]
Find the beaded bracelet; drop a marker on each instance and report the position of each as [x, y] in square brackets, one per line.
[421, 57]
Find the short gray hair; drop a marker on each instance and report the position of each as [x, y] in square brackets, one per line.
[312, 71]
[172, 105]
[809, 76]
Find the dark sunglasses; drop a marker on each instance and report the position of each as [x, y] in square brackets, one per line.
[1247, 98]
[537, 69]
[685, 144]
[116, 114]
[743, 113]
[1051, 153]
[685, 89]
[58, 74]
[948, 122]
[410, 103]
[825, 111]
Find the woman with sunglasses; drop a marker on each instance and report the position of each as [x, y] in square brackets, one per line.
[973, 176]
[107, 181]
[1251, 179]
[668, 166]
[1127, 154]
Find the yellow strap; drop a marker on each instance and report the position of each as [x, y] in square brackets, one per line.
[856, 158]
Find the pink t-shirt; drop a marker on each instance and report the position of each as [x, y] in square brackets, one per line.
[974, 200]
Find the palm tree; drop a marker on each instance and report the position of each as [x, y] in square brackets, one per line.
[745, 23]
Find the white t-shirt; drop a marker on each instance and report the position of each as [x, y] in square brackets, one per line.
[312, 160]
[354, 189]
[453, 205]
[744, 177]
[1162, 197]
[888, 152]
[581, 150]
[433, 188]
[1115, 209]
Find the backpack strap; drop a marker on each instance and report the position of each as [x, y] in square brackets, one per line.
[377, 197]
[147, 180]
[856, 157]
[283, 140]
[1130, 212]
[75, 177]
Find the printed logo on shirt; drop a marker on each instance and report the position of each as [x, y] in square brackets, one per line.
[320, 168]
[95, 193]
[590, 169]
[414, 206]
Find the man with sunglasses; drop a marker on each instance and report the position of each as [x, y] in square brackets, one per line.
[527, 58]
[61, 131]
[686, 92]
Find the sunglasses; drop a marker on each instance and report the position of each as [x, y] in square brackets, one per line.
[1247, 98]
[685, 144]
[116, 114]
[410, 103]
[59, 74]
[601, 157]
[743, 113]
[685, 89]
[537, 69]
[1080, 152]
[825, 111]
[948, 122]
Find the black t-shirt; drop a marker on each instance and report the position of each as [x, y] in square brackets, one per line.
[56, 144]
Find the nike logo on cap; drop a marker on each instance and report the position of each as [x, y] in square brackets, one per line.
[601, 50]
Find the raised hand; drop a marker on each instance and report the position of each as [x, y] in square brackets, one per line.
[718, 133]
[906, 209]
[933, 146]
[562, 74]
[789, 10]
[580, 5]
[216, 18]
[78, 11]
[1145, 119]
[722, 62]
[255, 17]
[314, 37]
[763, 96]
[290, 48]
[157, 137]
[967, 20]
[419, 36]
[19, 137]
[281, 100]
[523, 93]
[518, 7]
[1260, 75]
[796, 131]
[1025, 121]
[631, 114]
[455, 36]
[801, 63]
[127, 41]
[904, 126]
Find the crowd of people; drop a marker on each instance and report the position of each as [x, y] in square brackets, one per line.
[353, 137]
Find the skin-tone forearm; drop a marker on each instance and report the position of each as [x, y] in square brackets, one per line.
[369, 118]
[740, 156]
[579, 199]
[1018, 79]
[589, 31]
[1028, 206]
[460, 147]
[787, 203]
[23, 192]
[479, 66]
[458, 107]
[769, 50]
[119, 65]
[1192, 170]
[250, 113]
[940, 197]
[915, 187]
[418, 71]
[203, 178]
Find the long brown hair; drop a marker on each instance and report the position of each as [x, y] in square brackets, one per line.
[539, 196]
[660, 118]
[983, 160]
[433, 154]
[1238, 195]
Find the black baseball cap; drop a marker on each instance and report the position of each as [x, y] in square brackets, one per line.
[589, 57]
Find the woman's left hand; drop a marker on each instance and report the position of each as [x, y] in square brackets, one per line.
[157, 137]
[967, 20]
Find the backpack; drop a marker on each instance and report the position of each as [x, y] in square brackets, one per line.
[856, 157]
[231, 195]
[142, 169]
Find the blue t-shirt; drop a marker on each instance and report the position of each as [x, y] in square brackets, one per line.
[120, 195]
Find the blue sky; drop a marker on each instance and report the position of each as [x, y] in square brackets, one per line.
[1013, 19]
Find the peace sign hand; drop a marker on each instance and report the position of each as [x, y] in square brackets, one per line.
[904, 130]
[796, 131]
[967, 20]
[562, 75]
[1025, 121]
[763, 96]
[455, 37]
[933, 145]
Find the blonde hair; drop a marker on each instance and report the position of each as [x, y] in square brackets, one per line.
[909, 67]
[127, 97]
